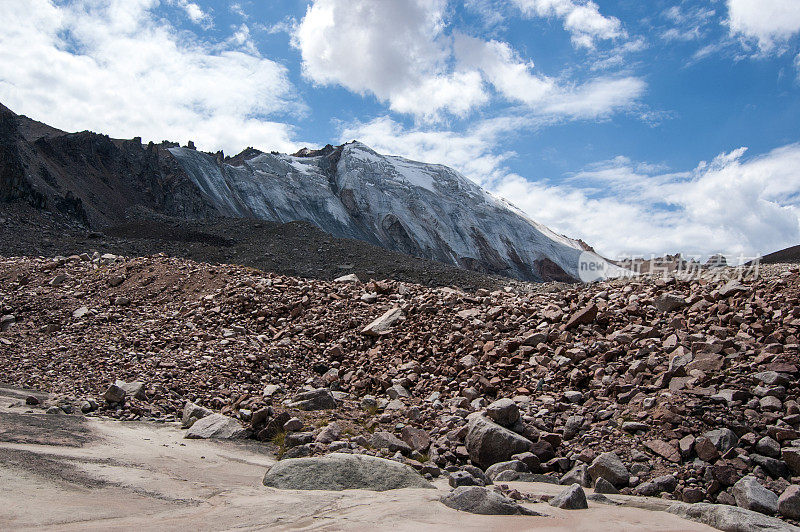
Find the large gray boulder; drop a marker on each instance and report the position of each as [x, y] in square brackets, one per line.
[504, 412]
[133, 389]
[478, 500]
[488, 443]
[339, 471]
[611, 468]
[216, 426]
[730, 518]
[572, 498]
[751, 495]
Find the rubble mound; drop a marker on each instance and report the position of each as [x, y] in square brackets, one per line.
[589, 383]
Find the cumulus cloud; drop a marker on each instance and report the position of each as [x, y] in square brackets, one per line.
[425, 72]
[735, 204]
[769, 22]
[581, 18]
[117, 67]
[393, 49]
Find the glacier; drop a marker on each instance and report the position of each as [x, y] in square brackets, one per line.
[351, 191]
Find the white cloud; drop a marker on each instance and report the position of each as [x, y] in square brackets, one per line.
[237, 9]
[736, 205]
[509, 74]
[490, 11]
[194, 12]
[115, 66]
[733, 205]
[581, 18]
[770, 22]
[424, 72]
[546, 96]
[597, 98]
[394, 49]
[689, 24]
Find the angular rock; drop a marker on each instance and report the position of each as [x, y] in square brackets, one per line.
[114, 394]
[572, 498]
[488, 443]
[665, 483]
[504, 412]
[294, 425]
[789, 502]
[791, 455]
[216, 426]
[577, 475]
[582, 317]
[723, 439]
[463, 478]
[478, 473]
[634, 426]
[730, 518]
[319, 399]
[669, 302]
[664, 450]
[751, 495]
[330, 433]
[417, 439]
[193, 412]
[271, 389]
[609, 467]
[384, 324]
[705, 449]
[339, 471]
[731, 288]
[478, 500]
[133, 389]
[349, 278]
[512, 465]
[387, 440]
[604, 486]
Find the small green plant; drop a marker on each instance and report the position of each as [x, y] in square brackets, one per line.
[371, 410]
[279, 440]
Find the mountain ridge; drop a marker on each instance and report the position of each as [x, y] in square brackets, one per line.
[349, 191]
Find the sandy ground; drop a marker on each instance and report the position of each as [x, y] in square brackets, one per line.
[72, 473]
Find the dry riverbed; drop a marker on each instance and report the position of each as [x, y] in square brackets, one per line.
[69, 472]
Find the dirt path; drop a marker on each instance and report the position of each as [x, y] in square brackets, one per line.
[72, 473]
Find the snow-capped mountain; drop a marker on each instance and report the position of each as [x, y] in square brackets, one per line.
[422, 209]
[349, 191]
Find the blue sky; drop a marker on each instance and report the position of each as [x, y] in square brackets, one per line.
[641, 127]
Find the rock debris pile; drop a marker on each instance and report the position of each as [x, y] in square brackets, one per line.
[681, 389]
